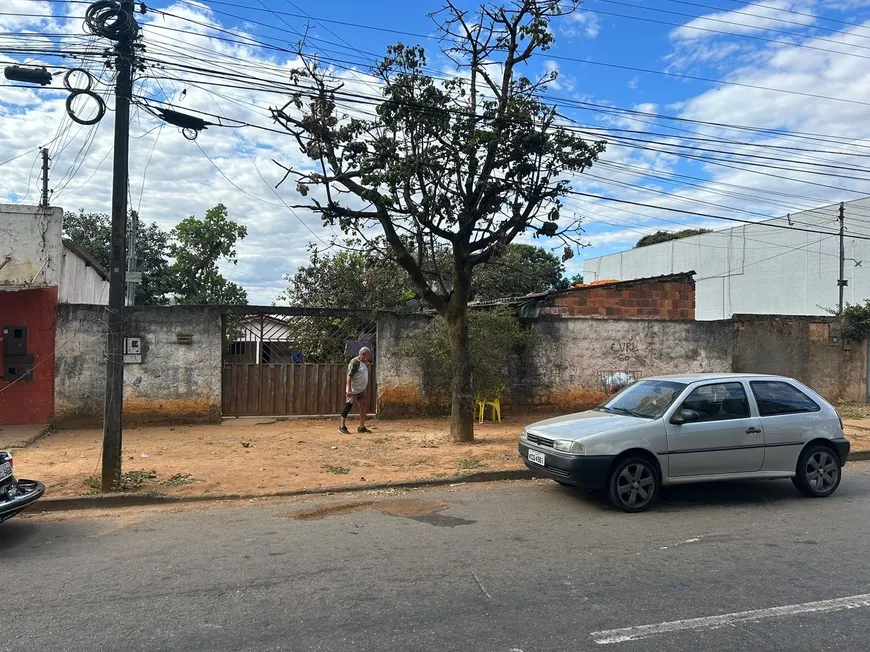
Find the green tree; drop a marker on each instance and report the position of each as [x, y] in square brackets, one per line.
[93, 233]
[352, 279]
[520, 270]
[666, 236]
[348, 279]
[495, 337]
[467, 164]
[197, 247]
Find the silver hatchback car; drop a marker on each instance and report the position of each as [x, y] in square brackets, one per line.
[695, 428]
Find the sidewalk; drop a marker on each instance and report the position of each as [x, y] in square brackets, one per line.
[261, 457]
[20, 436]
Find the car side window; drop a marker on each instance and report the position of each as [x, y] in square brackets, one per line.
[776, 397]
[718, 402]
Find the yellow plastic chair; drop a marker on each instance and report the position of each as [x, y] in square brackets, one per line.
[494, 405]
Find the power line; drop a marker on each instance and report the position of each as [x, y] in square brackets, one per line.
[707, 215]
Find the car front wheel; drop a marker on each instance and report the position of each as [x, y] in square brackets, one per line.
[818, 472]
[633, 485]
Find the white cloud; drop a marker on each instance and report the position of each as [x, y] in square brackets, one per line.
[581, 23]
[748, 20]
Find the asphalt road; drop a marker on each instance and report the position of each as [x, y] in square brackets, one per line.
[524, 566]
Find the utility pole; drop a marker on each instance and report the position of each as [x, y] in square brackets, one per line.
[132, 274]
[111, 475]
[43, 203]
[841, 280]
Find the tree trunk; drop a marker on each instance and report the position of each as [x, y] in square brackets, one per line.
[462, 413]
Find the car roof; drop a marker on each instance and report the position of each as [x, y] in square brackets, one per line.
[693, 378]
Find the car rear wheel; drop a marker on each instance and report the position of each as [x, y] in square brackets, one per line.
[633, 485]
[818, 472]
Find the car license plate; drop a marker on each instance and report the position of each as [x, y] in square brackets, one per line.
[5, 471]
[537, 458]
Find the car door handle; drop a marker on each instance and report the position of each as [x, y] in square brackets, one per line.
[753, 431]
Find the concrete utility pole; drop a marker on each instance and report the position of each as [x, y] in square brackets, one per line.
[43, 203]
[111, 475]
[841, 280]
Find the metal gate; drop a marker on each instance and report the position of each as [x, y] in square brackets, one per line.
[293, 362]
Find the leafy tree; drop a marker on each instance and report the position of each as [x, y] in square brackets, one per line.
[348, 279]
[495, 336]
[352, 279]
[93, 233]
[666, 236]
[520, 270]
[197, 247]
[856, 324]
[466, 164]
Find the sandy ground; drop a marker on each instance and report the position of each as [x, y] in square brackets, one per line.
[263, 456]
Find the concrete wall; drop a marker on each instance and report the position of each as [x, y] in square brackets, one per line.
[806, 348]
[31, 237]
[175, 383]
[575, 360]
[757, 269]
[401, 390]
[570, 366]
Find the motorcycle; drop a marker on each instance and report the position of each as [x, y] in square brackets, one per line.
[15, 495]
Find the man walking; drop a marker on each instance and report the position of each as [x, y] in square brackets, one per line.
[357, 383]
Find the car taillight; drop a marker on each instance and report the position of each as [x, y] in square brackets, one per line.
[842, 427]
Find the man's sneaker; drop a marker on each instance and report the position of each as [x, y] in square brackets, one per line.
[343, 430]
[363, 429]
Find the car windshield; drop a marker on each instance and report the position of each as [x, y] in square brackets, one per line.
[647, 399]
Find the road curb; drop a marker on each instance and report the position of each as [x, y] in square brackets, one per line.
[108, 501]
[24, 443]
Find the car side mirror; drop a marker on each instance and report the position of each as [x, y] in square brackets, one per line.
[685, 416]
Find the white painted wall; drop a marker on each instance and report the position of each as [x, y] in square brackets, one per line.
[31, 237]
[81, 283]
[756, 269]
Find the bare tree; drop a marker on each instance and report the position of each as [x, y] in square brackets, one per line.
[468, 163]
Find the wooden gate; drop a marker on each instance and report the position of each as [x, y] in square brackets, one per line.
[293, 364]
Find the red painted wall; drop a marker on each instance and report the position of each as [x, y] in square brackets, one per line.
[30, 402]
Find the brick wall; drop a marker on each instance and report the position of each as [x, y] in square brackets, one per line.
[669, 299]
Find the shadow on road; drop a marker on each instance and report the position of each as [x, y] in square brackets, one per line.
[17, 533]
[714, 494]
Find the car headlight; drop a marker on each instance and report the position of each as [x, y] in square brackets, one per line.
[562, 445]
[569, 446]
[524, 435]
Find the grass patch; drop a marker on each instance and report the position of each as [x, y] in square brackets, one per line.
[470, 463]
[179, 479]
[130, 481]
[338, 470]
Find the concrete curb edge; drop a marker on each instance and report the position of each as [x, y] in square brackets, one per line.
[106, 501]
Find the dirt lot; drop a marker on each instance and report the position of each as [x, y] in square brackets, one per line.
[254, 456]
[263, 456]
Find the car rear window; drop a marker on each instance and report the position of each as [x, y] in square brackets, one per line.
[776, 397]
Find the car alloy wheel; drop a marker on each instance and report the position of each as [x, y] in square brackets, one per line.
[634, 485]
[818, 472]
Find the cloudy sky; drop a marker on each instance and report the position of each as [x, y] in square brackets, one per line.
[712, 108]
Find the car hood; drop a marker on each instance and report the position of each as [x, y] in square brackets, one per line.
[583, 424]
